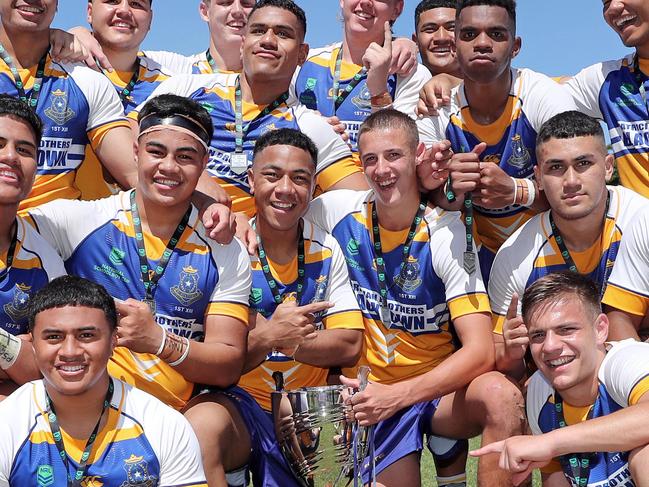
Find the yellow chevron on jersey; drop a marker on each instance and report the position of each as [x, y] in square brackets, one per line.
[532, 252]
[326, 279]
[433, 289]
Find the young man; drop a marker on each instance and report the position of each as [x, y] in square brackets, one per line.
[435, 36]
[616, 92]
[586, 404]
[581, 232]
[28, 262]
[492, 124]
[300, 326]
[49, 427]
[184, 313]
[78, 106]
[245, 106]
[405, 265]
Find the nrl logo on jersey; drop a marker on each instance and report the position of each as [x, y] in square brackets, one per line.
[58, 111]
[18, 307]
[186, 291]
[520, 155]
[137, 473]
[628, 98]
[45, 476]
[256, 295]
[408, 279]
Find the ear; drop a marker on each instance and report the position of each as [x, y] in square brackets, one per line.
[398, 8]
[251, 181]
[204, 11]
[517, 47]
[537, 176]
[206, 159]
[304, 53]
[420, 153]
[601, 329]
[136, 148]
[609, 167]
[89, 13]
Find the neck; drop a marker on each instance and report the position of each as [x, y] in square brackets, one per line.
[354, 48]
[585, 393]
[122, 60]
[262, 91]
[159, 220]
[455, 72]
[487, 101]
[7, 221]
[580, 234]
[26, 48]
[400, 216]
[228, 58]
[643, 51]
[279, 245]
[78, 414]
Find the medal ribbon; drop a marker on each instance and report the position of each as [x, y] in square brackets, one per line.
[150, 282]
[210, 61]
[338, 97]
[58, 438]
[12, 249]
[565, 253]
[640, 80]
[241, 131]
[378, 253]
[272, 284]
[578, 463]
[128, 89]
[34, 95]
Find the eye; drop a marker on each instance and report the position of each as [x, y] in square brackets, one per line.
[53, 337]
[537, 337]
[26, 151]
[498, 35]
[468, 35]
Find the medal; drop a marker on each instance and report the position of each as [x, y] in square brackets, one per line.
[385, 315]
[239, 162]
[469, 262]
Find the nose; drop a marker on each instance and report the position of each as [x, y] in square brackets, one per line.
[482, 42]
[442, 35]
[269, 39]
[9, 154]
[551, 344]
[237, 9]
[571, 179]
[382, 166]
[285, 185]
[69, 347]
[168, 163]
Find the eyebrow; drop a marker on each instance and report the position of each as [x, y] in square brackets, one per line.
[58, 330]
[580, 157]
[274, 26]
[279, 168]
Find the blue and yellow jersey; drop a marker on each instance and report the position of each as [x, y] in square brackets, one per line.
[217, 93]
[96, 240]
[623, 381]
[143, 442]
[180, 64]
[314, 81]
[511, 141]
[610, 91]
[77, 106]
[432, 290]
[326, 279]
[532, 252]
[35, 263]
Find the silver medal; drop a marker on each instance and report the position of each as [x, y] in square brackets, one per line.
[385, 315]
[469, 262]
[239, 162]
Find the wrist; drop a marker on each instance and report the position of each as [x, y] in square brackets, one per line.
[9, 349]
[382, 100]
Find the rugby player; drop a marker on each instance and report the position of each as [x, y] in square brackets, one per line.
[435, 36]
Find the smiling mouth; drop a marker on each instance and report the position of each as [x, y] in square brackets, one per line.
[282, 206]
[236, 25]
[122, 25]
[558, 362]
[166, 182]
[30, 9]
[364, 15]
[625, 21]
[386, 183]
[9, 174]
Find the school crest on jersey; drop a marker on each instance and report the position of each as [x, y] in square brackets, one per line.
[520, 157]
[408, 279]
[186, 291]
[137, 473]
[59, 111]
[18, 307]
[320, 289]
[45, 475]
[364, 99]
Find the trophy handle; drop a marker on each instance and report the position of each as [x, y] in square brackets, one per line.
[363, 377]
[278, 377]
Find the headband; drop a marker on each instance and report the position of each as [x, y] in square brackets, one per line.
[181, 123]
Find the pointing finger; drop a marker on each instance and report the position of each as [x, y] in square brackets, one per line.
[512, 311]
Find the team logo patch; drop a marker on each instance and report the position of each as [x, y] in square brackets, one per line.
[186, 291]
[59, 111]
[256, 295]
[45, 475]
[408, 279]
[116, 256]
[352, 247]
[520, 155]
[364, 99]
[18, 307]
[137, 473]
[208, 106]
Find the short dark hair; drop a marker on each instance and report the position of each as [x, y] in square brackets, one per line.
[390, 119]
[426, 5]
[18, 110]
[72, 291]
[169, 105]
[560, 286]
[289, 5]
[509, 5]
[286, 136]
[568, 125]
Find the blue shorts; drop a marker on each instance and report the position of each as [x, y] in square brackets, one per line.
[400, 435]
[267, 464]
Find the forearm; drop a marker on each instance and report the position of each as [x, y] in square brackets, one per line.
[512, 367]
[208, 191]
[438, 198]
[216, 364]
[331, 348]
[622, 325]
[603, 434]
[17, 359]
[259, 347]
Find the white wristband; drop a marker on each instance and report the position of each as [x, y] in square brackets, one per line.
[163, 342]
[531, 193]
[515, 190]
[183, 356]
[9, 349]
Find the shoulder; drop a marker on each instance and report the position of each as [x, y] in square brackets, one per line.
[603, 69]
[625, 205]
[538, 392]
[325, 51]
[344, 200]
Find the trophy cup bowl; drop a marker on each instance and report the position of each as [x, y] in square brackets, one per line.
[316, 432]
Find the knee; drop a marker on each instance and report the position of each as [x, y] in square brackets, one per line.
[639, 464]
[501, 399]
[210, 419]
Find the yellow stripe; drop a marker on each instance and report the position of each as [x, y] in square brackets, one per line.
[625, 300]
[233, 310]
[469, 303]
[97, 134]
[634, 172]
[49, 188]
[498, 323]
[336, 172]
[638, 391]
[350, 320]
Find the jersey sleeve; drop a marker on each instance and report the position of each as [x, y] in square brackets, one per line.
[6, 454]
[345, 312]
[181, 85]
[50, 260]
[433, 129]
[329, 208]
[538, 392]
[54, 222]
[335, 161]
[172, 61]
[465, 293]
[628, 286]
[407, 94]
[586, 85]
[544, 98]
[625, 371]
[231, 295]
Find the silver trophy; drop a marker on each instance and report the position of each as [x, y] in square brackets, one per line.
[317, 433]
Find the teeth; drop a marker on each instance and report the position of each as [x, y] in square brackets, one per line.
[167, 182]
[72, 368]
[627, 19]
[364, 15]
[385, 184]
[34, 10]
[441, 49]
[122, 24]
[236, 25]
[8, 174]
[283, 206]
[560, 361]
